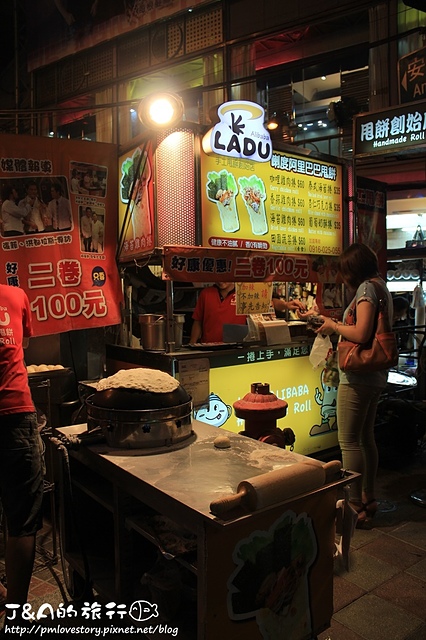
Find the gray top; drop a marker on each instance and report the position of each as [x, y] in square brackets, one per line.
[367, 291]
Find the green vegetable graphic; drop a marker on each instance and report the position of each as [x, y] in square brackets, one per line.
[222, 188]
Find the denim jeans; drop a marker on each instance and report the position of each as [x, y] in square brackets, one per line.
[356, 415]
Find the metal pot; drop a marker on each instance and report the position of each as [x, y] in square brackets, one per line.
[134, 419]
[153, 331]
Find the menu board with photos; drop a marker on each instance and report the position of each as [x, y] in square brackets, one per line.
[290, 204]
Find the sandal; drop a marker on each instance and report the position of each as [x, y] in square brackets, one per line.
[366, 512]
[370, 508]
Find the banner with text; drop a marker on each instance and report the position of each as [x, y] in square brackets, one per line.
[135, 203]
[59, 229]
[290, 204]
[201, 264]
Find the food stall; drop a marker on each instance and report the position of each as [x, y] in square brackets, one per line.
[227, 206]
[220, 535]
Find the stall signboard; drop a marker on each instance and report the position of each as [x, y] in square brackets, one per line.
[412, 76]
[311, 410]
[253, 297]
[59, 229]
[240, 132]
[390, 130]
[202, 264]
[135, 203]
[371, 215]
[290, 203]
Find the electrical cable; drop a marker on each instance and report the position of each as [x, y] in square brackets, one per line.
[66, 497]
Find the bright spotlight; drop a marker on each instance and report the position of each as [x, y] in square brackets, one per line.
[160, 110]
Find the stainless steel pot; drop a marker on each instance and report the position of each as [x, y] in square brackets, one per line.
[133, 419]
[153, 331]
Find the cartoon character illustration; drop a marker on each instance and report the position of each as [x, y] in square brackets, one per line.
[327, 401]
[271, 580]
[215, 412]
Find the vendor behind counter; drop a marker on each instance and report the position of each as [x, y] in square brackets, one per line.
[216, 306]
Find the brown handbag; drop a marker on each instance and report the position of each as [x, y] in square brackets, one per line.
[379, 353]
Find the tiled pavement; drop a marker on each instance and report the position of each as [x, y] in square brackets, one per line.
[381, 597]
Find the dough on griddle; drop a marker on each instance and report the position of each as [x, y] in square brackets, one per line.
[140, 378]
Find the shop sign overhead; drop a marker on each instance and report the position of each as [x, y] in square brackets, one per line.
[395, 129]
[240, 133]
[412, 76]
[204, 264]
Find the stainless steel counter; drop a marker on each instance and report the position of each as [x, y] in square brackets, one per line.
[118, 494]
[198, 472]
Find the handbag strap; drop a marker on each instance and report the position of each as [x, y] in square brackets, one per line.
[381, 307]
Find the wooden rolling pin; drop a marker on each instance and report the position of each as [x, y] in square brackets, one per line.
[273, 487]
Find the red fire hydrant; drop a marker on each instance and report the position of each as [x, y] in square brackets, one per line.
[261, 409]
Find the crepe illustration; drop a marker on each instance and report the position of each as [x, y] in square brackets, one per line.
[254, 194]
[222, 189]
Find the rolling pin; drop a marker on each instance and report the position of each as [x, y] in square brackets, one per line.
[270, 488]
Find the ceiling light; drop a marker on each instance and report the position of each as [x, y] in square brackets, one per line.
[273, 123]
[323, 77]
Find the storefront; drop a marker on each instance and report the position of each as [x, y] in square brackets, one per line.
[389, 148]
[279, 218]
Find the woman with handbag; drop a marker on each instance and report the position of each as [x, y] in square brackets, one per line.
[363, 370]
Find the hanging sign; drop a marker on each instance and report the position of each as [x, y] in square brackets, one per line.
[201, 264]
[412, 76]
[135, 203]
[390, 130]
[59, 230]
[240, 133]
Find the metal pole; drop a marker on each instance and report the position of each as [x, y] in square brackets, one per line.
[15, 42]
[170, 328]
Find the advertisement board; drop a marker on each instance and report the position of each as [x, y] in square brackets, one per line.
[390, 130]
[202, 264]
[371, 213]
[135, 203]
[412, 76]
[59, 230]
[290, 204]
[311, 411]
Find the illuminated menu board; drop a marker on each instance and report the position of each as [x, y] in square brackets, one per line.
[290, 204]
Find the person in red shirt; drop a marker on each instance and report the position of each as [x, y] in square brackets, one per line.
[215, 307]
[21, 457]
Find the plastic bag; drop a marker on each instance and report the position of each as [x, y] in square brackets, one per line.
[320, 351]
[331, 376]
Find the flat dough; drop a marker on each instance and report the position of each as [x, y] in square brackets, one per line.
[222, 442]
[140, 378]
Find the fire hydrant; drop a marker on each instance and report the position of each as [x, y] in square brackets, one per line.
[261, 409]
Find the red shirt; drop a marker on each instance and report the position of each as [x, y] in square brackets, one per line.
[213, 313]
[15, 324]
